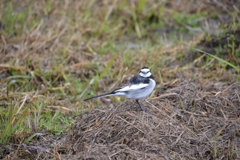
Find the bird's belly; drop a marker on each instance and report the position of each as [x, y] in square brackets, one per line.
[141, 93]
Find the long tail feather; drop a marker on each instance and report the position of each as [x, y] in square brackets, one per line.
[102, 95]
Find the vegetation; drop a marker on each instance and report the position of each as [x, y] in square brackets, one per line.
[56, 53]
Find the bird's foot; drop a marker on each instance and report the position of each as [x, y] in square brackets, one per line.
[142, 108]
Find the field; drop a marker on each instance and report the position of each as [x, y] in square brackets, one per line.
[54, 54]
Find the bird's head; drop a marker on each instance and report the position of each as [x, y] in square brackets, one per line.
[145, 72]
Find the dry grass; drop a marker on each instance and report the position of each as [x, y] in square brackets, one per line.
[201, 122]
[55, 53]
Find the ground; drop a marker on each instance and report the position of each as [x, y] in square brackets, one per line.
[200, 121]
[56, 53]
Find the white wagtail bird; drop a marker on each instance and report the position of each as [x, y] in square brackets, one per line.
[138, 87]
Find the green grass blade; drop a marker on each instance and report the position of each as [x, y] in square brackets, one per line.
[108, 66]
[30, 138]
[220, 59]
[141, 5]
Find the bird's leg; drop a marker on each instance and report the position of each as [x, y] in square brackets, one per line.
[142, 108]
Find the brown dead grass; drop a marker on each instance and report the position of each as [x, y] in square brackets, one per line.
[66, 43]
[176, 127]
[200, 122]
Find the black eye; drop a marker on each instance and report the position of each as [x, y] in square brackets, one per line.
[145, 72]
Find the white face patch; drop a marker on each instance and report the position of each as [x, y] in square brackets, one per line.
[145, 70]
[145, 74]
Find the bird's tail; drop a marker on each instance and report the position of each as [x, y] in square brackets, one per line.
[102, 95]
